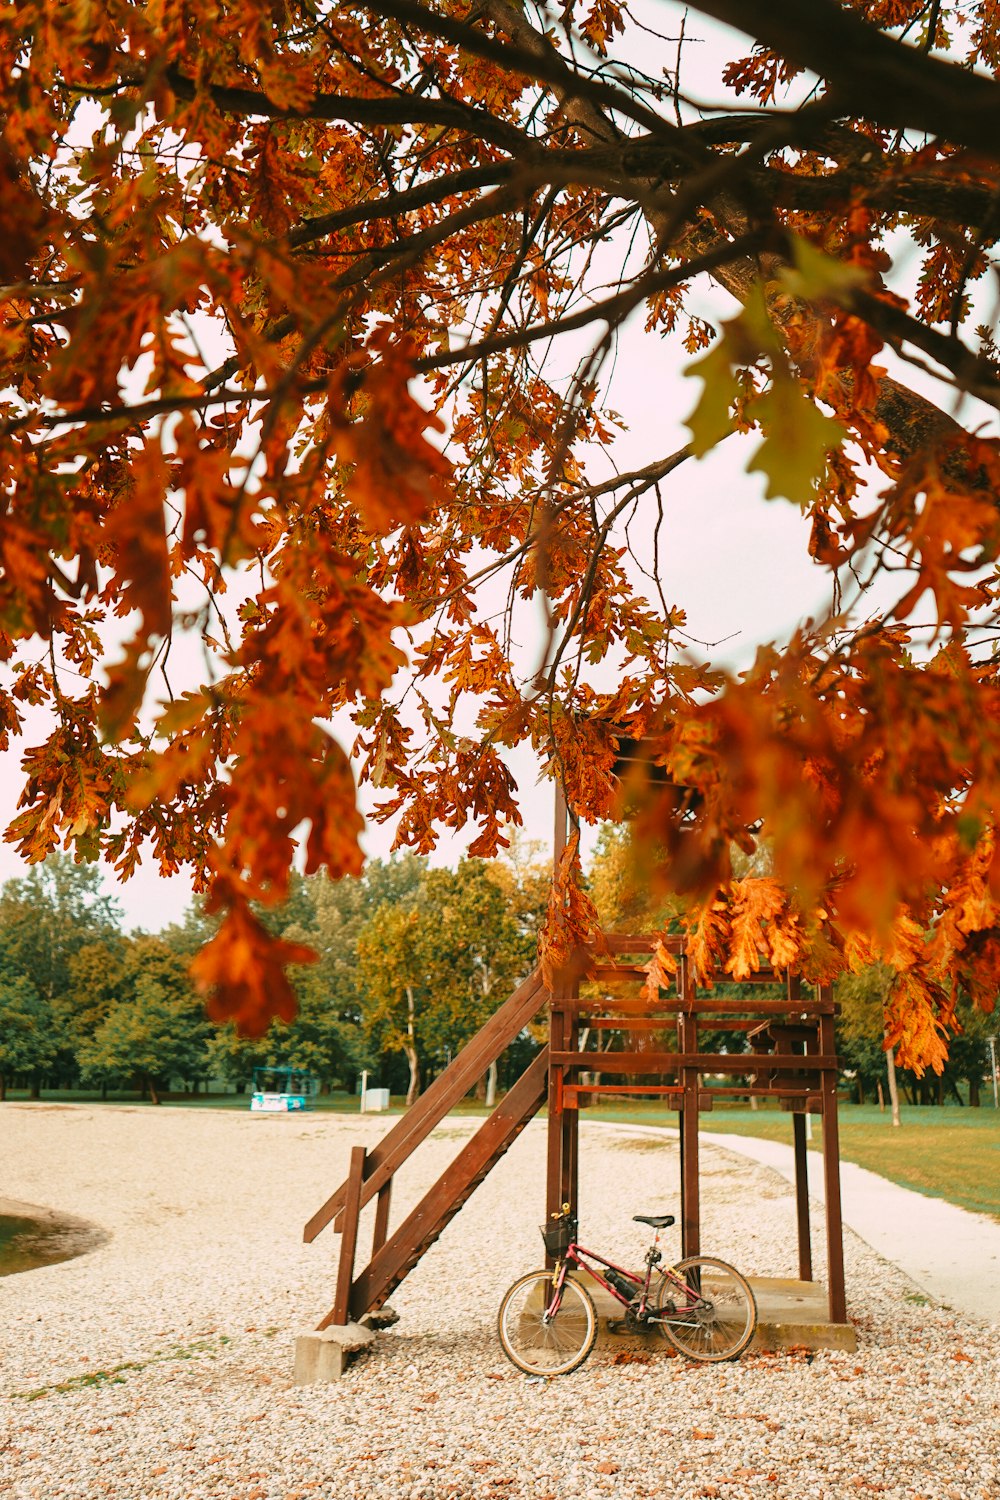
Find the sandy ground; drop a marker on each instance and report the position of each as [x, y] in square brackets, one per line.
[160, 1363]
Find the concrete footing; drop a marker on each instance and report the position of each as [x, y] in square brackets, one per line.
[795, 1314]
[324, 1355]
[790, 1315]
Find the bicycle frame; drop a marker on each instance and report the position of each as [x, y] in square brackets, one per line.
[578, 1257]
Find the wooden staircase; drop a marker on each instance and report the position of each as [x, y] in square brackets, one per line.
[371, 1172]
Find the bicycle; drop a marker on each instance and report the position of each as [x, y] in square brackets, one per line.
[548, 1322]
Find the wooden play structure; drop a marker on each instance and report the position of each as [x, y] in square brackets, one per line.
[790, 1057]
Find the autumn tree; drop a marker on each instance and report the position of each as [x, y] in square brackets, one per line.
[391, 965]
[308, 318]
[61, 933]
[474, 954]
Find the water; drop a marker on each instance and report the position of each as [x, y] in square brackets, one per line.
[26, 1243]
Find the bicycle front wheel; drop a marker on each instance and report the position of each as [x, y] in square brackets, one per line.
[543, 1345]
[716, 1319]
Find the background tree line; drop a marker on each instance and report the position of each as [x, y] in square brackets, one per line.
[412, 961]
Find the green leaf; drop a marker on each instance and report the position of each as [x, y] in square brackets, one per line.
[797, 439]
[710, 421]
[741, 343]
[816, 276]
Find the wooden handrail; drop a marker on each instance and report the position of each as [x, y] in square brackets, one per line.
[422, 1226]
[385, 1159]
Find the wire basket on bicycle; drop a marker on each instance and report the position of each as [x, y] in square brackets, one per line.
[559, 1233]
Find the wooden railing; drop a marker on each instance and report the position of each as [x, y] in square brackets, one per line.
[371, 1172]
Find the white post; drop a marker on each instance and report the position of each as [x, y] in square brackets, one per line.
[364, 1088]
[993, 1070]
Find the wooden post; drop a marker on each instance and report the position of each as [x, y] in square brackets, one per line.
[571, 1117]
[793, 984]
[802, 1196]
[341, 1313]
[381, 1229]
[831, 1168]
[554, 1146]
[687, 1029]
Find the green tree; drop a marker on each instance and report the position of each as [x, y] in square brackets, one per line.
[434, 968]
[27, 1043]
[94, 985]
[233, 1057]
[48, 917]
[860, 1030]
[155, 1031]
[968, 1052]
[474, 952]
[326, 1036]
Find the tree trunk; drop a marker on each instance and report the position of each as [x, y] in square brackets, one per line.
[491, 1085]
[154, 1097]
[36, 1085]
[413, 1089]
[974, 1100]
[410, 1049]
[890, 1068]
[3, 1088]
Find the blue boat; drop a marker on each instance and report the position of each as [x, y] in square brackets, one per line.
[282, 1090]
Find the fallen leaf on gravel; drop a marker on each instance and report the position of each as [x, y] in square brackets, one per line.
[961, 1354]
[607, 1467]
[632, 1357]
[696, 1433]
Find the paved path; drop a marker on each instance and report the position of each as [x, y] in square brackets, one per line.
[951, 1254]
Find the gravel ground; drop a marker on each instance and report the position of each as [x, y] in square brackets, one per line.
[159, 1365]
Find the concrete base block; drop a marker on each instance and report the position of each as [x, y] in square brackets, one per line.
[790, 1315]
[323, 1355]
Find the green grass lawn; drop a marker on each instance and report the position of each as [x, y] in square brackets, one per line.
[947, 1152]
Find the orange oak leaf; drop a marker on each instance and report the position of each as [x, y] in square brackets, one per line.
[242, 972]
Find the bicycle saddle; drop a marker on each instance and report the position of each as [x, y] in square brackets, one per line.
[655, 1221]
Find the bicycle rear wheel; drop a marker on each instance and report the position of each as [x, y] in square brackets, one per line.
[540, 1345]
[720, 1323]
